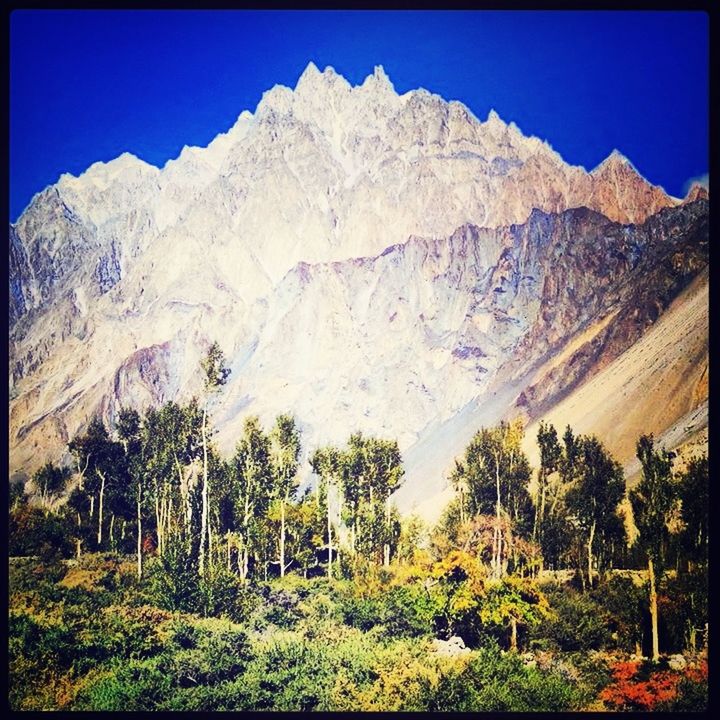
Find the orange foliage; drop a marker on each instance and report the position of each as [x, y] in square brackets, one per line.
[630, 692]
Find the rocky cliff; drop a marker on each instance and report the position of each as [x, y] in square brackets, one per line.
[367, 260]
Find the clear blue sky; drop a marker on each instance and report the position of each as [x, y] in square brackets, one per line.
[89, 85]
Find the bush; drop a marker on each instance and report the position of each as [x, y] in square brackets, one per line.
[624, 605]
[33, 531]
[288, 675]
[221, 593]
[576, 623]
[139, 685]
[493, 682]
[404, 611]
[173, 580]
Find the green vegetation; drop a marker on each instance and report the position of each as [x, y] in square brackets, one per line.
[174, 579]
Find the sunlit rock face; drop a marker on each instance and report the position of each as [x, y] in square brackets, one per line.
[367, 260]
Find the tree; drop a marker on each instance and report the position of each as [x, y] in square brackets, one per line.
[597, 490]
[550, 458]
[371, 470]
[101, 458]
[515, 602]
[50, 481]
[494, 475]
[129, 432]
[652, 501]
[216, 374]
[252, 480]
[284, 453]
[694, 495]
[458, 590]
[326, 464]
[171, 440]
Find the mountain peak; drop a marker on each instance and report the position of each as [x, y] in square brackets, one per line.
[308, 75]
[615, 160]
[697, 192]
[378, 80]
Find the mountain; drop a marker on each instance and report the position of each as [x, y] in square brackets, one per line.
[367, 260]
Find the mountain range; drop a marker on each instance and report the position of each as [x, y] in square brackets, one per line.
[368, 261]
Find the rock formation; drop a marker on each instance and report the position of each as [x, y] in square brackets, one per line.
[367, 260]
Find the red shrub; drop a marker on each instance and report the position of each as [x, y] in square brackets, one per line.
[628, 692]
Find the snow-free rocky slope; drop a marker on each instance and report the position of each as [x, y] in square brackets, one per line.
[367, 260]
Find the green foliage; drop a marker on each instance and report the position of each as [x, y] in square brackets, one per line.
[576, 623]
[623, 605]
[173, 584]
[136, 686]
[694, 496]
[220, 593]
[33, 531]
[214, 368]
[401, 611]
[494, 458]
[492, 682]
[50, 481]
[598, 486]
[511, 603]
[653, 499]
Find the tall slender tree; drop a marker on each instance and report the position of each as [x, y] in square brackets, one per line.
[129, 432]
[326, 464]
[215, 376]
[595, 495]
[652, 502]
[252, 481]
[496, 472]
[284, 453]
[101, 458]
[550, 457]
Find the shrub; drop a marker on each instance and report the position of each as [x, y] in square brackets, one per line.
[221, 593]
[493, 682]
[33, 531]
[577, 623]
[139, 685]
[645, 687]
[173, 581]
[624, 605]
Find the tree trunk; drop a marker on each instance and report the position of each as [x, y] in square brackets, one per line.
[329, 530]
[92, 506]
[590, 556]
[386, 546]
[158, 523]
[536, 524]
[496, 534]
[210, 544]
[79, 539]
[282, 536]
[513, 634]
[653, 612]
[112, 536]
[203, 518]
[100, 507]
[139, 537]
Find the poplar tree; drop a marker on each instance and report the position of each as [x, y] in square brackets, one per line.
[652, 501]
[596, 493]
[216, 374]
[284, 452]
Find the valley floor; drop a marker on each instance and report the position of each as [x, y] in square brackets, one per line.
[88, 635]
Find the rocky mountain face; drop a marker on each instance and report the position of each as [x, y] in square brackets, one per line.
[367, 260]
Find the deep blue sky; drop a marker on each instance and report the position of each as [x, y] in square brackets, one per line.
[89, 85]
